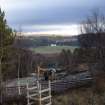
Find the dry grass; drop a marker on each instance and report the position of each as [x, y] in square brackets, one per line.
[86, 96]
[94, 95]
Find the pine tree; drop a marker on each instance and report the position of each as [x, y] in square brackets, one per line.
[6, 39]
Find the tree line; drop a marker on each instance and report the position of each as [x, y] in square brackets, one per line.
[14, 60]
[91, 49]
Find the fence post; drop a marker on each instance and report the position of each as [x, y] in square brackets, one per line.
[50, 89]
[39, 94]
[27, 95]
[19, 91]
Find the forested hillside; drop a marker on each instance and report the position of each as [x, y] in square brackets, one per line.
[33, 42]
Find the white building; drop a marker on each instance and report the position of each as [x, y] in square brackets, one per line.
[52, 45]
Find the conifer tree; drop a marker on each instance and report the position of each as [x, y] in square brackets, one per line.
[6, 39]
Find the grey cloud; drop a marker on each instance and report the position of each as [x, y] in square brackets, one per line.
[50, 11]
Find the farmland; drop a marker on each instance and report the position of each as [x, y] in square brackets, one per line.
[52, 49]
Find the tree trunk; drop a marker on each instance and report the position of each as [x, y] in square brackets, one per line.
[1, 80]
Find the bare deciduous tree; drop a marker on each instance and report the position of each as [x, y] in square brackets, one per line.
[95, 23]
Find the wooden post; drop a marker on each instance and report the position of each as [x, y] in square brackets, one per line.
[27, 95]
[40, 94]
[19, 91]
[50, 90]
[19, 75]
[38, 72]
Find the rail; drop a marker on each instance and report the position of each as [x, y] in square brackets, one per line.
[57, 86]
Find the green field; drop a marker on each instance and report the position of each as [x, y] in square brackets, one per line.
[52, 49]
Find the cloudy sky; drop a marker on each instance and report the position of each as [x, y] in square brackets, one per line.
[49, 16]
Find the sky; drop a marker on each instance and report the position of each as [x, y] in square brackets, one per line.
[61, 17]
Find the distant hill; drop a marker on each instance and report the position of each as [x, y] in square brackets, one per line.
[33, 41]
